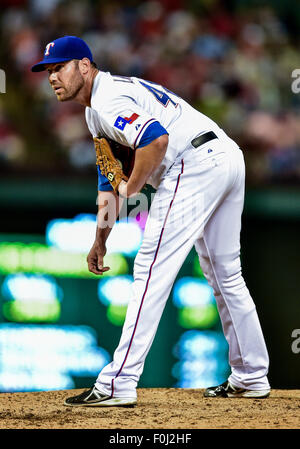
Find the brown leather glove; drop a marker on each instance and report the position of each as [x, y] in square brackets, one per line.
[115, 161]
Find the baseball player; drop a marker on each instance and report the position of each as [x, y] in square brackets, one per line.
[198, 173]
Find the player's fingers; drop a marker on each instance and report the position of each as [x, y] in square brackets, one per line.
[102, 269]
[97, 270]
[94, 269]
[100, 264]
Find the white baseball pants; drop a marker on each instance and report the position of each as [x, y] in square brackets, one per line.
[199, 202]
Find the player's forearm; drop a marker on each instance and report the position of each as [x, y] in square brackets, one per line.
[109, 206]
[147, 160]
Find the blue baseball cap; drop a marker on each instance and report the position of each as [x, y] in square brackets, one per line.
[63, 49]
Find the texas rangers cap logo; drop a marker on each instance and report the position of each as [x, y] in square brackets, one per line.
[48, 46]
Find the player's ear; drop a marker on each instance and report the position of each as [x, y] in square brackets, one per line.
[84, 65]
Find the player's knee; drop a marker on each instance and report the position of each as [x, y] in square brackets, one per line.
[229, 268]
[223, 272]
[229, 277]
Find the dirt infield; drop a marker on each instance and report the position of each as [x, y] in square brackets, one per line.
[158, 408]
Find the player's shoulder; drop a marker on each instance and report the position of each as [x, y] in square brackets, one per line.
[111, 92]
[113, 86]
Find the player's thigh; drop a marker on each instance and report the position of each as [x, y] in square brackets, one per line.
[174, 222]
[220, 242]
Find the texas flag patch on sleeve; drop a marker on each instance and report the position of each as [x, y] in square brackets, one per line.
[121, 122]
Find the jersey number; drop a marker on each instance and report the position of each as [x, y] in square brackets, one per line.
[160, 96]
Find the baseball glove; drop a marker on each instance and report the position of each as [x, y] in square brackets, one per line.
[115, 161]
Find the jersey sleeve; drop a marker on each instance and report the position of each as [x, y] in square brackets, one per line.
[127, 123]
[153, 131]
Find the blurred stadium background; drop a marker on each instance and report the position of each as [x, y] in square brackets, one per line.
[233, 60]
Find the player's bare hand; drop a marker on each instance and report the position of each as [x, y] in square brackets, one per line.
[123, 189]
[95, 259]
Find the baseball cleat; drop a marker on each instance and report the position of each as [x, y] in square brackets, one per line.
[227, 390]
[93, 398]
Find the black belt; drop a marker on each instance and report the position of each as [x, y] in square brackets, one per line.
[204, 138]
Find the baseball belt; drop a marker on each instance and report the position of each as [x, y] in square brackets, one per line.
[203, 138]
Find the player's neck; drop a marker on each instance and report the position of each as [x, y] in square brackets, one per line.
[84, 95]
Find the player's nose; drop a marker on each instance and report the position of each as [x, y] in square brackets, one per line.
[52, 77]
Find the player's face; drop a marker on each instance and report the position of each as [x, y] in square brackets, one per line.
[65, 79]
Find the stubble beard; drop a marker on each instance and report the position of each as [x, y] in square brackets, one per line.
[72, 90]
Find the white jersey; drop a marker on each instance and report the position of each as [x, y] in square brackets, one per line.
[123, 109]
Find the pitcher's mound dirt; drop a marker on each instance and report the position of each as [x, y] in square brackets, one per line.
[158, 408]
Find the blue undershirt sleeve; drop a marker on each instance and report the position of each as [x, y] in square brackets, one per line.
[103, 184]
[153, 131]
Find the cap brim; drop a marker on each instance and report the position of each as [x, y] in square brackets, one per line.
[40, 66]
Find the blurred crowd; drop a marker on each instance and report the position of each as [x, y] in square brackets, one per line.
[232, 63]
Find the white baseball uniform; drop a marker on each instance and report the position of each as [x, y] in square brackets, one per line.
[198, 201]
